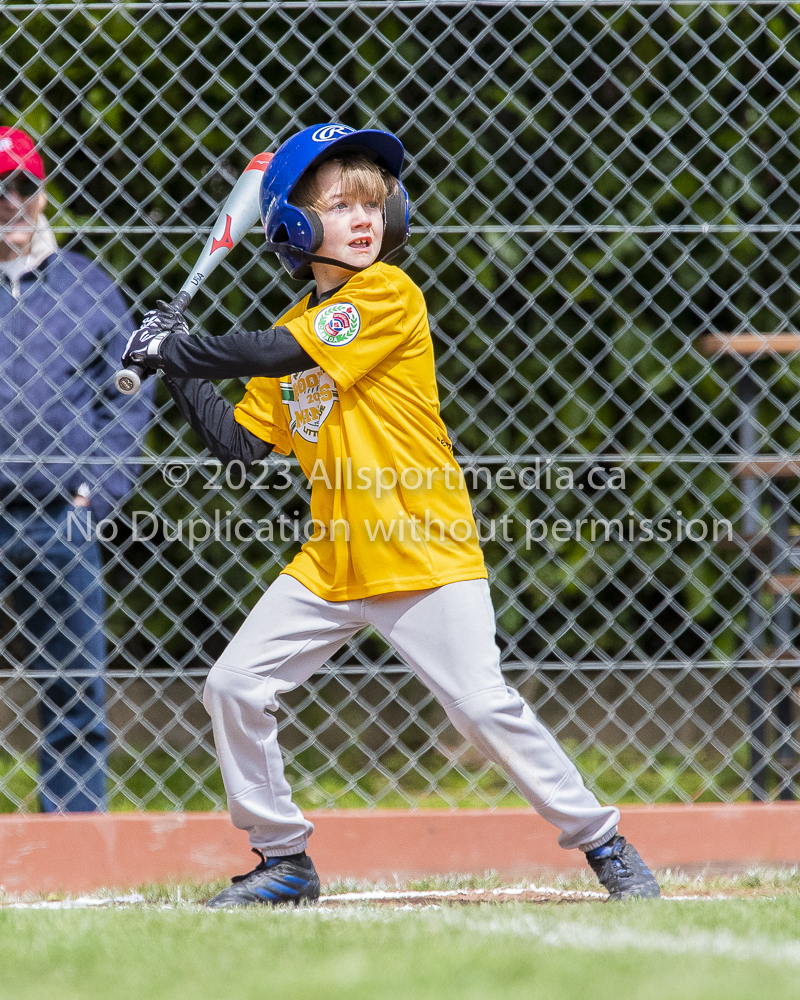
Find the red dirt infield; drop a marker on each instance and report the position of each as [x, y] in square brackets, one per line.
[82, 852]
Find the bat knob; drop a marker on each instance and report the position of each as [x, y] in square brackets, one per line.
[129, 380]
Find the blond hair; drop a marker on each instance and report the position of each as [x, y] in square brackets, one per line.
[361, 179]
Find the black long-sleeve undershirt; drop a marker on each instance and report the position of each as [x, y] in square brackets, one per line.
[189, 362]
[212, 417]
[269, 353]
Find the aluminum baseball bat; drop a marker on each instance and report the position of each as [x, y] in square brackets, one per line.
[237, 216]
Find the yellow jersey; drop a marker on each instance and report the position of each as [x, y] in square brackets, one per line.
[390, 510]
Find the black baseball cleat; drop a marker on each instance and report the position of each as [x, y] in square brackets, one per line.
[619, 868]
[274, 882]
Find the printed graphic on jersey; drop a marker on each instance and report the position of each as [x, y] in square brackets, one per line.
[310, 397]
[337, 324]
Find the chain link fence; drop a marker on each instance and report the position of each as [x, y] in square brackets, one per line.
[603, 194]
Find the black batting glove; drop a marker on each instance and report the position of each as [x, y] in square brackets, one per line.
[143, 347]
[144, 344]
[172, 318]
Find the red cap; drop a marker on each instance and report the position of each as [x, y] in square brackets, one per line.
[17, 152]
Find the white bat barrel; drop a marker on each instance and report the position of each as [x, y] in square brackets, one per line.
[236, 218]
[238, 214]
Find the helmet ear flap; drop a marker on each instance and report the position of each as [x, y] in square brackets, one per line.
[317, 229]
[302, 270]
[395, 223]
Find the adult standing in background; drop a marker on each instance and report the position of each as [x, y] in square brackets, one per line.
[62, 326]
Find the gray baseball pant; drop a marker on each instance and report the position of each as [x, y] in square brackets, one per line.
[446, 635]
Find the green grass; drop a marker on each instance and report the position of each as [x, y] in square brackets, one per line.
[623, 776]
[739, 949]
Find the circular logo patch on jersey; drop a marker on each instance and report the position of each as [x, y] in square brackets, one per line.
[328, 132]
[338, 324]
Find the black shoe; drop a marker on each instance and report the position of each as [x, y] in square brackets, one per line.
[619, 868]
[275, 882]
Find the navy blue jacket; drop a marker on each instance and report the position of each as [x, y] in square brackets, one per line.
[62, 421]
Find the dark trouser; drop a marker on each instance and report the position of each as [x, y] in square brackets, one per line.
[57, 597]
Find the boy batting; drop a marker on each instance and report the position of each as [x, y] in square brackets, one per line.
[346, 380]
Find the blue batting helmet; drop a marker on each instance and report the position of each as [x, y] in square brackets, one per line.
[296, 233]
